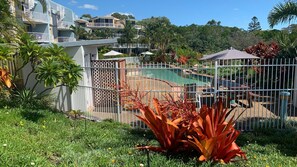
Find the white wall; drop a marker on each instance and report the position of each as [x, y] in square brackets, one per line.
[82, 98]
[77, 100]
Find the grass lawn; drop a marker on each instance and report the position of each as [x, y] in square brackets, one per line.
[44, 138]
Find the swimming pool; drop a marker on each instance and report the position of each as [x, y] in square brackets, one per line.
[176, 76]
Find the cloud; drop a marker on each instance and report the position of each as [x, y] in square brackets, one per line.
[236, 9]
[88, 6]
[73, 2]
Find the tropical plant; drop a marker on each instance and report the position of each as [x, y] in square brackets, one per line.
[79, 32]
[182, 59]
[128, 35]
[263, 50]
[288, 44]
[5, 78]
[52, 65]
[58, 69]
[283, 13]
[178, 127]
[25, 97]
[215, 136]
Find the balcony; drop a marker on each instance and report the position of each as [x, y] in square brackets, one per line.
[66, 39]
[40, 37]
[101, 25]
[64, 25]
[35, 17]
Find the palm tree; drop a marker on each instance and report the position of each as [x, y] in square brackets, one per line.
[128, 36]
[79, 32]
[282, 13]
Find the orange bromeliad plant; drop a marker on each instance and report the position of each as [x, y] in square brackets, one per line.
[5, 78]
[215, 136]
[179, 127]
[166, 130]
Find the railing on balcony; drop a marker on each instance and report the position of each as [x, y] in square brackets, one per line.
[130, 46]
[65, 24]
[110, 25]
[33, 16]
[66, 39]
[39, 36]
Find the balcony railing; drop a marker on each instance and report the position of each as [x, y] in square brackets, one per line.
[108, 25]
[40, 37]
[65, 24]
[66, 39]
[130, 46]
[32, 16]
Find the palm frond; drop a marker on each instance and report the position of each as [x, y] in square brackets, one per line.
[282, 13]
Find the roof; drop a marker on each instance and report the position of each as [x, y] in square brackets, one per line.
[99, 42]
[228, 55]
[81, 21]
[103, 17]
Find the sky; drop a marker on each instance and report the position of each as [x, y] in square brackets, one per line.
[231, 13]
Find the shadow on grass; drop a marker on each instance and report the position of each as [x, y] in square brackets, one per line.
[33, 116]
[284, 140]
[150, 140]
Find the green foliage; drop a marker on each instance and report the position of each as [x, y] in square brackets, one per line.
[254, 25]
[86, 16]
[104, 33]
[26, 98]
[158, 32]
[213, 23]
[128, 35]
[6, 53]
[282, 13]
[52, 65]
[79, 32]
[58, 69]
[288, 44]
[122, 16]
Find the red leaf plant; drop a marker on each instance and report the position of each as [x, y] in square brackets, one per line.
[215, 136]
[179, 127]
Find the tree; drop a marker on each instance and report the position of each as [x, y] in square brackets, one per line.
[103, 33]
[254, 24]
[282, 13]
[288, 44]
[158, 33]
[213, 23]
[79, 32]
[86, 16]
[52, 66]
[122, 16]
[128, 35]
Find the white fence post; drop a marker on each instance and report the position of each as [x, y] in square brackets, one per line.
[295, 85]
[118, 91]
[216, 80]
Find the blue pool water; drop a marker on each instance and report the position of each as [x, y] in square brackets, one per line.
[176, 76]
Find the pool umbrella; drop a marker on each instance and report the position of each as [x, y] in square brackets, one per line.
[147, 53]
[228, 55]
[112, 53]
